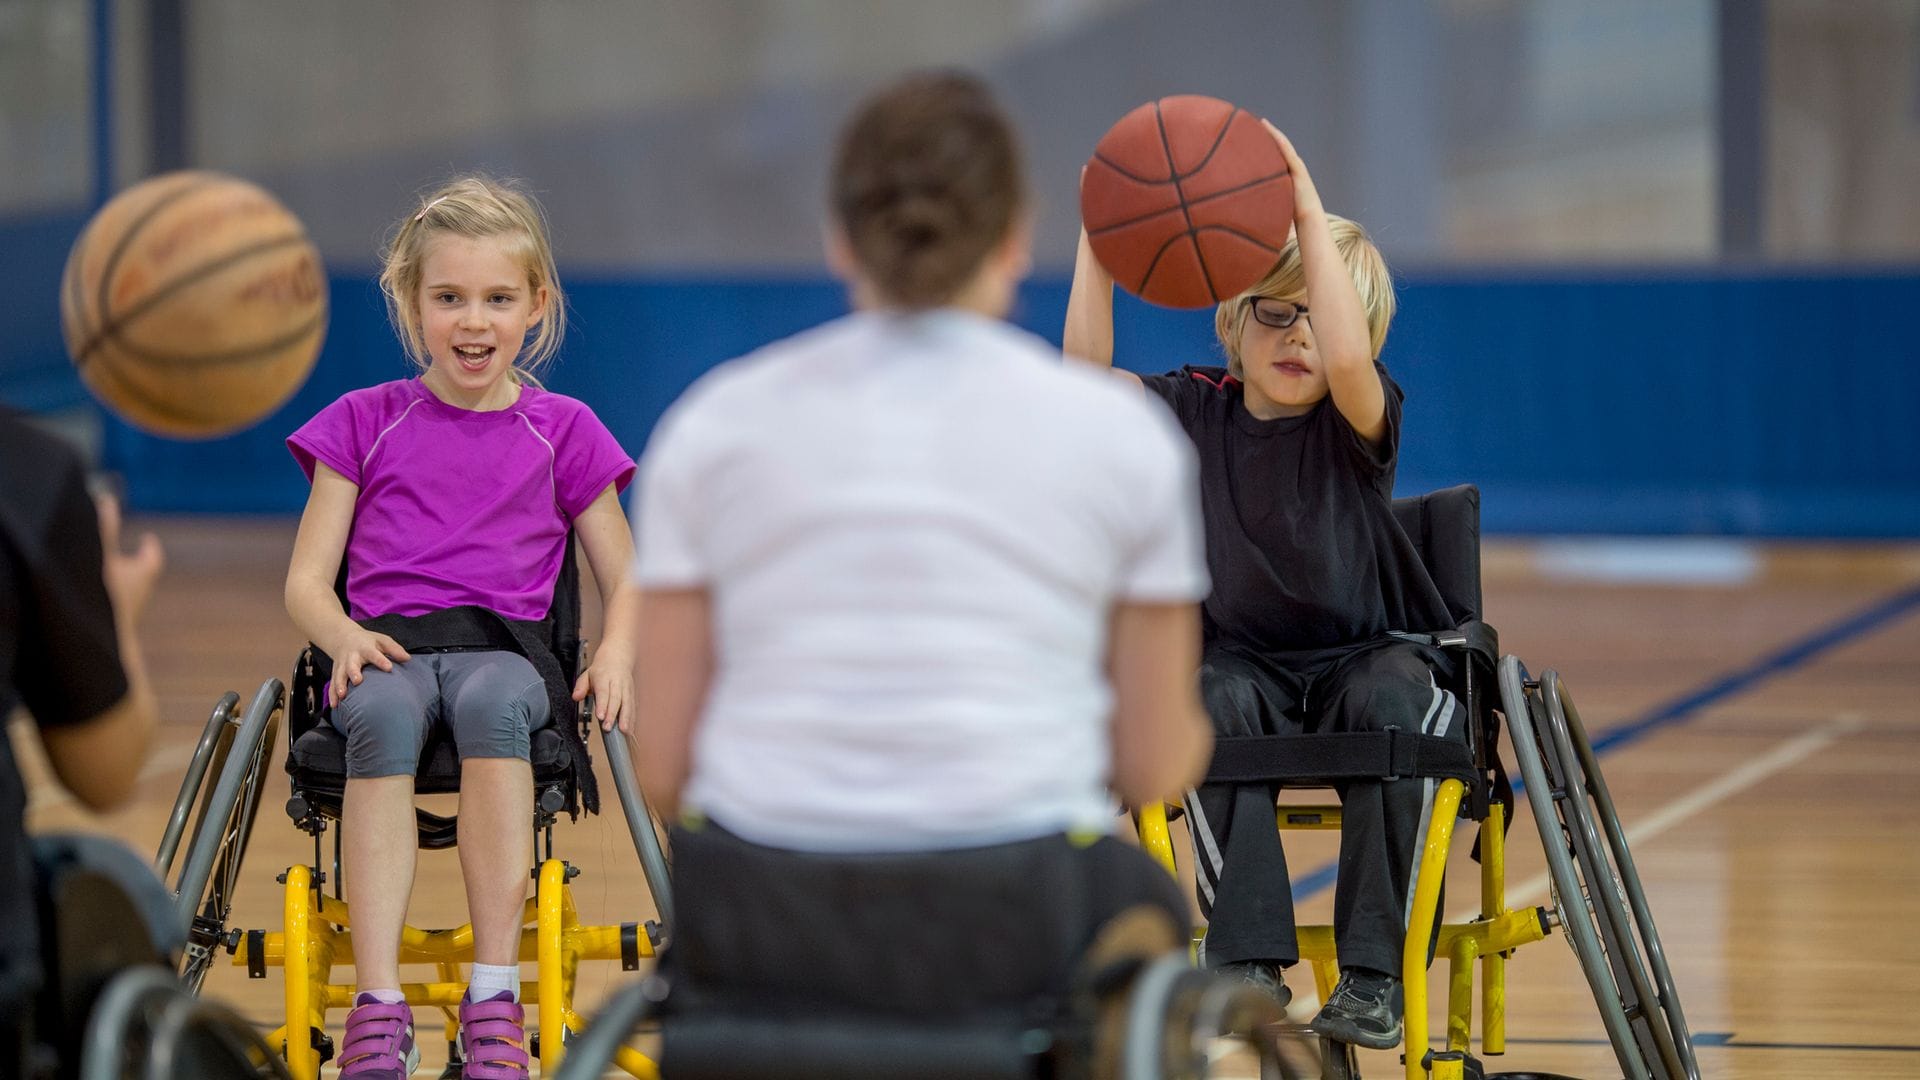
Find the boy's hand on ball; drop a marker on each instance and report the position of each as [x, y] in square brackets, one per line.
[1306, 199]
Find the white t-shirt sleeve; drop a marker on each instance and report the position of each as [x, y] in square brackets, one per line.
[1166, 562]
[668, 514]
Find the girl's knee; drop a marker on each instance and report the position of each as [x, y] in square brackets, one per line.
[384, 721]
[499, 721]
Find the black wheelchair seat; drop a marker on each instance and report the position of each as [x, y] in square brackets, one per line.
[890, 935]
[980, 963]
[318, 758]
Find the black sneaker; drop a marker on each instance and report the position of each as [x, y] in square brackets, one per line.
[1364, 1010]
[1263, 975]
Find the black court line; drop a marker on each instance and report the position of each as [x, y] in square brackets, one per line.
[1726, 1040]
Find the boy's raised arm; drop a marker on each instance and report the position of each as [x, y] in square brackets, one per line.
[1088, 336]
[1339, 321]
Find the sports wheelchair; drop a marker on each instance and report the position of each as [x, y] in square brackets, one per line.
[316, 930]
[1005, 963]
[110, 1006]
[1597, 898]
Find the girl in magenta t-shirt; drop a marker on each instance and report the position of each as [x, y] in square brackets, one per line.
[451, 497]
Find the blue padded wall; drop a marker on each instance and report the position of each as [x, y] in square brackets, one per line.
[1654, 401]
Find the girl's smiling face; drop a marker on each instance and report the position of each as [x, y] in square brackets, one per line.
[476, 305]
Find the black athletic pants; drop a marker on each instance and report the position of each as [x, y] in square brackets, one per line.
[1241, 867]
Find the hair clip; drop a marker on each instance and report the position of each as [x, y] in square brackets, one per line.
[421, 216]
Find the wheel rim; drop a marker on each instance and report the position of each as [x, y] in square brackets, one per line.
[211, 875]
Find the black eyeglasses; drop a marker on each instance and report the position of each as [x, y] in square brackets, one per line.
[1278, 314]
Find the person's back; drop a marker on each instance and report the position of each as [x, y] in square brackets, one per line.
[912, 598]
[916, 571]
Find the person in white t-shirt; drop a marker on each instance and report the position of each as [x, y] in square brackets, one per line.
[909, 584]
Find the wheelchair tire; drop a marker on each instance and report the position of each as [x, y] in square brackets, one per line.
[209, 755]
[646, 841]
[1626, 921]
[207, 883]
[1174, 1012]
[592, 1053]
[1559, 813]
[1525, 711]
[197, 1039]
[147, 1026]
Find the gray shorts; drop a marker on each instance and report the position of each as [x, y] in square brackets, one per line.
[492, 702]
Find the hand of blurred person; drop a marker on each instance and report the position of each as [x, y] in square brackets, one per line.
[99, 760]
[130, 578]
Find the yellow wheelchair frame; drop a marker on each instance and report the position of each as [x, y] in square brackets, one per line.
[317, 928]
[222, 791]
[317, 931]
[318, 935]
[1597, 900]
[1489, 939]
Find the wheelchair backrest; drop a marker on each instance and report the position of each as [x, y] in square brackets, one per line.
[1444, 526]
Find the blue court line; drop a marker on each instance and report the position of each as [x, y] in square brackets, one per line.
[1726, 1040]
[1683, 707]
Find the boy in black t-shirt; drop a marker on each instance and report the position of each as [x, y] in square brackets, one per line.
[1298, 438]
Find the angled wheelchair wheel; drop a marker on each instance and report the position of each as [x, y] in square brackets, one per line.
[1632, 941]
[1588, 888]
[1176, 1014]
[147, 1026]
[601, 1045]
[646, 842]
[209, 757]
[204, 891]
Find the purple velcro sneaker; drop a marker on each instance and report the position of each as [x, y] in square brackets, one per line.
[493, 1039]
[379, 1043]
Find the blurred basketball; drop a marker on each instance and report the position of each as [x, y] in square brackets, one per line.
[1187, 201]
[193, 304]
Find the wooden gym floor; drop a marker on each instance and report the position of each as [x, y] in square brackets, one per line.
[1766, 758]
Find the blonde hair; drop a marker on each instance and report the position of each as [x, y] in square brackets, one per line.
[1288, 281]
[476, 207]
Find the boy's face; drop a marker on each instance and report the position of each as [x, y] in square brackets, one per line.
[1278, 361]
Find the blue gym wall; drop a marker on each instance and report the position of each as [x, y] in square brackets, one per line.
[1650, 402]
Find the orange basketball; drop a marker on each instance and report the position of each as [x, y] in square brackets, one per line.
[1187, 201]
[193, 304]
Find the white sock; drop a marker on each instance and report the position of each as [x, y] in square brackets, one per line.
[488, 980]
[385, 996]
